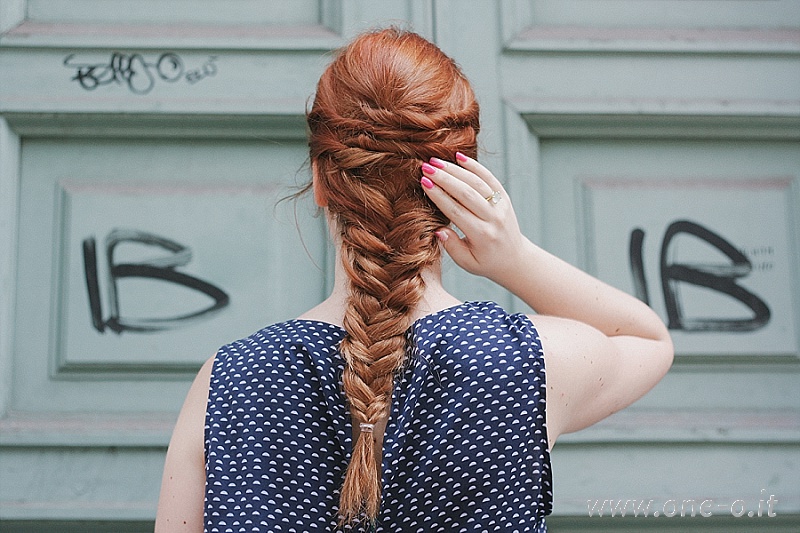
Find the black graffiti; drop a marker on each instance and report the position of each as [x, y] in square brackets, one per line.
[160, 268]
[720, 277]
[208, 70]
[136, 72]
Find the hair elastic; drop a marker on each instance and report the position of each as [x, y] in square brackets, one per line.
[366, 428]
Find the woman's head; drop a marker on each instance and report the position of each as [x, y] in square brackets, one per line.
[389, 101]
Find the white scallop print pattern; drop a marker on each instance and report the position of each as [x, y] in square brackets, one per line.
[465, 448]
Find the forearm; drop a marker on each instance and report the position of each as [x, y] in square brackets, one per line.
[552, 286]
[493, 247]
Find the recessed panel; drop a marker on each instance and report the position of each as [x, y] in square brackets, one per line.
[151, 274]
[713, 257]
[139, 258]
[175, 11]
[665, 13]
[704, 231]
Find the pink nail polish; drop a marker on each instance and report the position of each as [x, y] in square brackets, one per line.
[442, 235]
[438, 163]
[428, 184]
[461, 157]
[427, 169]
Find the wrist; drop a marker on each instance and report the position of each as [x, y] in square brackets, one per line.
[518, 267]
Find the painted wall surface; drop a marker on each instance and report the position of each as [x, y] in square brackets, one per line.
[144, 146]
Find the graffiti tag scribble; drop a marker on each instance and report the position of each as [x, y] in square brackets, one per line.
[160, 268]
[136, 72]
[208, 69]
[719, 277]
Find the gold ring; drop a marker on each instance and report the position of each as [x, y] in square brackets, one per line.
[493, 198]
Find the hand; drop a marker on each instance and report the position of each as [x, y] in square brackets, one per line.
[492, 245]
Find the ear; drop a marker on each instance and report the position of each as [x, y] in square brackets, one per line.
[319, 195]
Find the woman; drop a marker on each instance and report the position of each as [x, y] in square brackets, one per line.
[391, 405]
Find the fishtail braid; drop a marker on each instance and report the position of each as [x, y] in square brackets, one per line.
[389, 101]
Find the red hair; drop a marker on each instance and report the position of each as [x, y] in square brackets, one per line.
[389, 101]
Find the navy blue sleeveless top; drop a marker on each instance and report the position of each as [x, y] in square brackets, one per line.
[465, 448]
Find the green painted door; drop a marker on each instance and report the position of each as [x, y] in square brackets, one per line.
[144, 146]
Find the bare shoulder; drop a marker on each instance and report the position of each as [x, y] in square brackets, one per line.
[202, 380]
[194, 406]
[180, 505]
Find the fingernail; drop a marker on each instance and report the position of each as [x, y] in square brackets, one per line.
[427, 169]
[438, 163]
[442, 235]
[428, 184]
[461, 157]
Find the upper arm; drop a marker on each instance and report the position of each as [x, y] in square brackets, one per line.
[591, 375]
[180, 505]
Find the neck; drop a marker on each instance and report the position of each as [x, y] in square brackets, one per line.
[434, 298]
